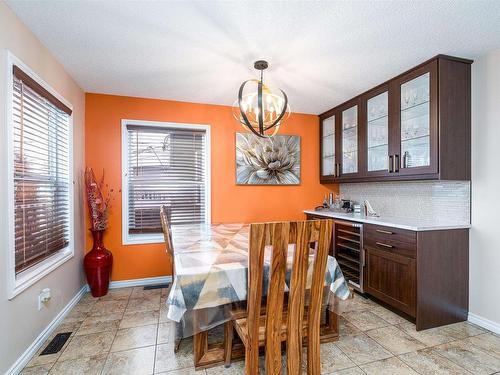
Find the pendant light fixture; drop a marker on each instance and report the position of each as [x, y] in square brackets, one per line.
[259, 107]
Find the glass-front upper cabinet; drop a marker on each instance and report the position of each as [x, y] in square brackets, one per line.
[328, 147]
[377, 122]
[350, 140]
[415, 122]
[418, 123]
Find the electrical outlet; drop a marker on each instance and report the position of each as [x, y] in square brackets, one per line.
[43, 298]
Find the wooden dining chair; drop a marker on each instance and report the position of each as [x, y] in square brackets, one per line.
[165, 218]
[289, 322]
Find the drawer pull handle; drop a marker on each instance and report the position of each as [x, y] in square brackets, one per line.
[384, 245]
[384, 231]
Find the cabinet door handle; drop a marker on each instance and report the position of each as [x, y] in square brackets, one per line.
[384, 245]
[396, 163]
[391, 163]
[337, 170]
[384, 231]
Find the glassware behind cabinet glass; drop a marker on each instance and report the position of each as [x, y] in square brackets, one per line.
[377, 121]
[350, 140]
[328, 142]
[415, 122]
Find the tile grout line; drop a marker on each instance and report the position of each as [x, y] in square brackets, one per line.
[114, 337]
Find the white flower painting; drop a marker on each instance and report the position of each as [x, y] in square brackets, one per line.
[267, 161]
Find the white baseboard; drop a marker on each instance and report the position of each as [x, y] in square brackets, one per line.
[140, 282]
[484, 323]
[18, 366]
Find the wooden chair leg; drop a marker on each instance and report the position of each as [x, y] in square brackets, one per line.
[228, 343]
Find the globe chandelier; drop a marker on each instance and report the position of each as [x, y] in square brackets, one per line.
[259, 107]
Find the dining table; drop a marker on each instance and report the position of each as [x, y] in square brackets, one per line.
[210, 280]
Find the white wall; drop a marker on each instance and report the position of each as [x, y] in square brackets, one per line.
[20, 320]
[484, 240]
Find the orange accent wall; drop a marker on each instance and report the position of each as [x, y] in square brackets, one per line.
[230, 203]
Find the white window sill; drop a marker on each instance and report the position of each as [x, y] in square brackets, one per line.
[140, 239]
[27, 278]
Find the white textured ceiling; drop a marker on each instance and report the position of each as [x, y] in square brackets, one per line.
[321, 53]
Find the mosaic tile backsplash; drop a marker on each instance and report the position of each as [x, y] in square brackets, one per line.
[446, 201]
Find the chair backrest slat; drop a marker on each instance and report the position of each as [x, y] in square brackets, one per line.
[165, 215]
[279, 236]
[254, 295]
[316, 292]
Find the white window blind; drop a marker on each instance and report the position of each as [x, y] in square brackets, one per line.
[41, 172]
[166, 166]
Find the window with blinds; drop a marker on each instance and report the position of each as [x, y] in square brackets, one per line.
[41, 172]
[166, 166]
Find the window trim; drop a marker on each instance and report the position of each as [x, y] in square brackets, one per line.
[138, 239]
[25, 279]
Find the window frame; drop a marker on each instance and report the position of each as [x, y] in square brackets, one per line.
[20, 282]
[146, 238]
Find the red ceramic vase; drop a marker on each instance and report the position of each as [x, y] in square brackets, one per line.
[97, 264]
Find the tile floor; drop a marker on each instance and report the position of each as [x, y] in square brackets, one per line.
[127, 332]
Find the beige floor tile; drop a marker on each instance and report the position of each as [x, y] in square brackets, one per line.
[137, 319]
[136, 337]
[463, 330]
[88, 345]
[488, 342]
[365, 320]
[186, 371]
[36, 370]
[88, 299]
[48, 359]
[469, 357]
[395, 340]
[76, 315]
[149, 303]
[163, 314]
[118, 294]
[80, 366]
[332, 359]
[388, 315]
[362, 349]
[237, 368]
[43, 360]
[347, 329]
[348, 371]
[96, 324]
[108, 307]
[166, 333]
[164, 292]
[429, 337]
[167, 360]
[84, 307]
[390, 366]
[68, 327]
[428, 362]
[139, 361]
[139, 292]
[356, 304]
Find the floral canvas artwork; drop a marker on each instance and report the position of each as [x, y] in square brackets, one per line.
[267, 161]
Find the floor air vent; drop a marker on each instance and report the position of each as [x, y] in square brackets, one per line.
[56, 344]
[157, 286]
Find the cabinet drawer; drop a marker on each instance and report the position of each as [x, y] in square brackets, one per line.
[391, 246]
[383, 234]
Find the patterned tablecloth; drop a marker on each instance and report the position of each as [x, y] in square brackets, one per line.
[211, 266]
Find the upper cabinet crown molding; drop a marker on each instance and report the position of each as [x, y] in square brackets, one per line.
[416, 126]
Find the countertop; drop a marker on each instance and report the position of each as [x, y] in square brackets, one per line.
[395, 222]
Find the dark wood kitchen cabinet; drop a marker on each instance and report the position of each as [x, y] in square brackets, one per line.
[391, 278]
[415, 126]
[422, 274]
